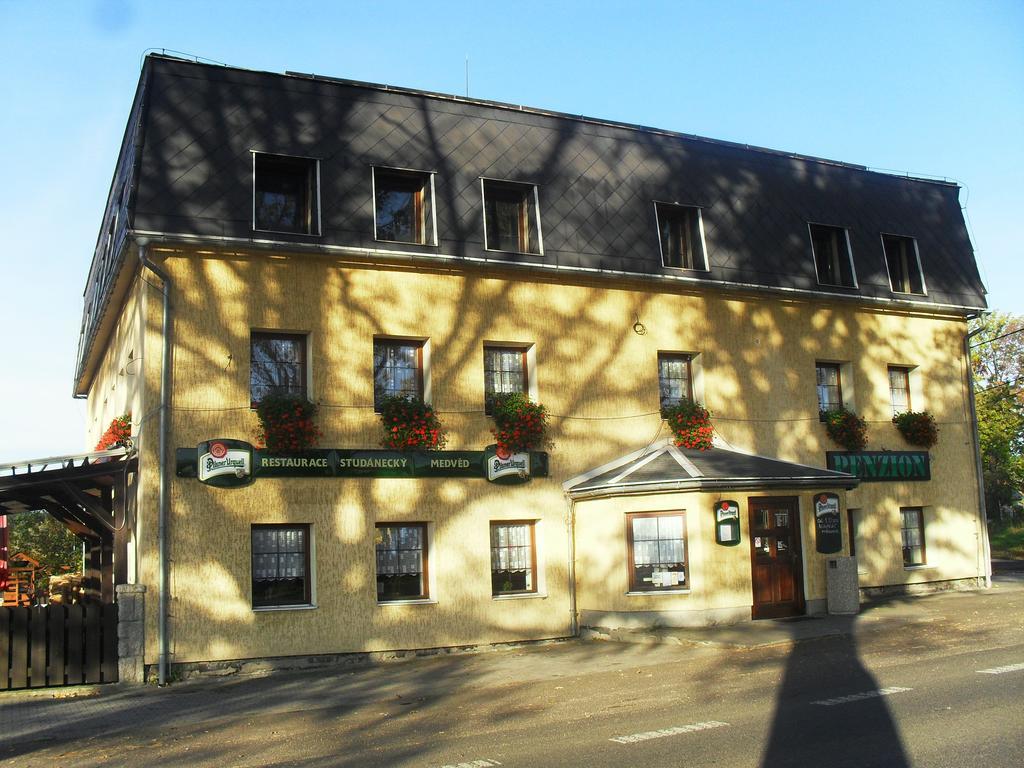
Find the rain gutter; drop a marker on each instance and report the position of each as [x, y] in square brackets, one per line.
[985, 550]
[165, 393]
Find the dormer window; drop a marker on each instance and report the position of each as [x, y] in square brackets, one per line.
[402, 203]
[285, 195]
[904, 264]
[832, 259]
[681, 236]
[510, 217]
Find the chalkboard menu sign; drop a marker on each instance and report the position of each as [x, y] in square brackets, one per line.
[827, 530]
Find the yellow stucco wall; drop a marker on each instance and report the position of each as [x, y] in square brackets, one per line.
[596, 375]
[125, 383]
[118, 388]
[720, 586]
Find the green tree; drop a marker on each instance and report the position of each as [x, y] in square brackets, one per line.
[997, 360]
[40, 535]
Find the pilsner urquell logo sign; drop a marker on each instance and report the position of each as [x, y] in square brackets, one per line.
[877, 466]
[225, 462]
[503, 466]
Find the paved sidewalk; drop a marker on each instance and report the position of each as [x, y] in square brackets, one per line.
[881, 613]
[65, 714]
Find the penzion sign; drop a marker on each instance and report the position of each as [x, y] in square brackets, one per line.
[877, 466]
[230, 463]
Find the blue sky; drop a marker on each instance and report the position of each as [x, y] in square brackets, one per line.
[930, 88]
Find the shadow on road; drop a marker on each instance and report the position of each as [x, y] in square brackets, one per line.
[806, 725]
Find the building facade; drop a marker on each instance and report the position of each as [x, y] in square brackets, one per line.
[345, 241]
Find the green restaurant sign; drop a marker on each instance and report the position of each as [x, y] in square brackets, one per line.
[876, 466]
[230, 463]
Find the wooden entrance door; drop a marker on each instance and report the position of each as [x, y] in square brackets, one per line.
[775, 558]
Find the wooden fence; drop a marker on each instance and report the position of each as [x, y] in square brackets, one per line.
[58, 645]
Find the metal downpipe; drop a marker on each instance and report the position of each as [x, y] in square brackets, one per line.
[574, 618]
[165, 392]
[986, 550]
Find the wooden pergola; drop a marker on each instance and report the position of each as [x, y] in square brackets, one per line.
[92, 495]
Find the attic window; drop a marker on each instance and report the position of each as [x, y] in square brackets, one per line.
[402, 202]
[904, 264]
[510, 217]
[681, 234]
[285, 194]
[832, 258]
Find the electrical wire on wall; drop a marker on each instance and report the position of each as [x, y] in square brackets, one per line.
[564, 417]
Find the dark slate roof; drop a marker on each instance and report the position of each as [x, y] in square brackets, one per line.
[597, 183]
[670, 468]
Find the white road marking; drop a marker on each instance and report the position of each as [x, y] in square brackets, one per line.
[473, 764]
[663, 732]
[1001, 670]
[861, 696]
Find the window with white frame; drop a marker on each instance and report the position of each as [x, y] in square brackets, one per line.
[912, 536]
[505, 372]
[281, 566]
[833, 261]
[829, 385]
[511, 221]
[675, 380]
[402, 206]
[899, 389]
[397, 370]
[285, 194]
[904, 264]
[682, 242]
[401, 550]
[513, 557]
[657, 551]
[277, 364]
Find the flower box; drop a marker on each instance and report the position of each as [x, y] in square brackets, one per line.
[917, 427]
[690, 423]
[287, 423]
[846, 428]
[411, 425]
[520, 425]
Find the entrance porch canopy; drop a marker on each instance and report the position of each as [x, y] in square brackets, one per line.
[665, 467]
[88, 493]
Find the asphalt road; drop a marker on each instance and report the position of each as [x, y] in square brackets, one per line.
[941, 686]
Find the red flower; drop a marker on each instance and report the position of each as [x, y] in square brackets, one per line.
[410, 424]
[287, 423]
[690, 424]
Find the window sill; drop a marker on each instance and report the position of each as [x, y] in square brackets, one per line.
[521, 596]
[269, 608]
[921, 567]
[404, 242]
[259, 231]
[514, 253]
[411, 601]
[645, 592]
[702, 270]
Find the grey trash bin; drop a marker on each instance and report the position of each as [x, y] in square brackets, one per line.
[843, 591]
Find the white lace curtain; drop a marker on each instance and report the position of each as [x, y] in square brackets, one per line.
[400, 551]
[278, 553]
[511, 548]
